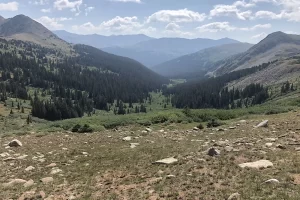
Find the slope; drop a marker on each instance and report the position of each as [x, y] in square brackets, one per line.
[101, 41]
[24, 28]
[156, 51]
[275, 46]
[200, 61]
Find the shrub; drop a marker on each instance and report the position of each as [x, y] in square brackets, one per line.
[85, 129]
[76, 128]
[200, 126]
[213, 123]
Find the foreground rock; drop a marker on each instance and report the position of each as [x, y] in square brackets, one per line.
[47, 180]
[263, 124]
[235, 196]
[14, 182]
[213, 152]
[166, 161]
[261, 164]
[272, 181]
[15, 143]
[29, 183]
[127, 138]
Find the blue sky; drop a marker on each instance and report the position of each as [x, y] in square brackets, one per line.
[244, 20]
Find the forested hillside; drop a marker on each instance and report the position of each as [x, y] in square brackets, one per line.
[76, 85]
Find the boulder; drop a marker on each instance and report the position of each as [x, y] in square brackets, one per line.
[47, 180]
[15, 143]
[261, 164]
[263, 124]
[213, 152]
[234, 196]
[170, 160]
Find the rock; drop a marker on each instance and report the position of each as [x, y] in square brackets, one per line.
[271, 181]
[15, 143]
[263, 124]
[297, 149]
[196, 129]
[234, 196]
[47, 180]
[242, 121]
[5, 154]
[51, 165]
[85, 153]
[22, 157]
[280, 146]
[72, 197]
[213, 152]
[257, 164]
[232, 127]
[166, 161]
[221, 129]
[133, 145]
[30, 168]
[128, 138]
[14, 182]
[269, 144]
[148, 130]
[42, 194]
[171, 176]
[271, 139]
[55, 171]
[228, 148]
[29, 183]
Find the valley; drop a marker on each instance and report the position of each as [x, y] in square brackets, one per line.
[138, 117]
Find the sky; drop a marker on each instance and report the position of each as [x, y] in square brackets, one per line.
[244, 20]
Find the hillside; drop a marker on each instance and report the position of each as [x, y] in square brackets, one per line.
[275, 46]
[101, 41]
[199, 62]
[24, 28]
[157, 51]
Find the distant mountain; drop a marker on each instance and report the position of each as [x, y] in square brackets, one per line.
[275, 46]
[24, 28]
[200, 62]
[100, 41]
[157, 51]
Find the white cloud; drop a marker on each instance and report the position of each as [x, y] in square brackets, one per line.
[183, 15]
[39, 2]
[172, 26]
[74, 6]
[88, 10]
[128, 1]
[116, 25]
[10, 6]
[46, 10]
[259, 36]
[234, 9]
[52, 23]
[258, 26]
[216, 27]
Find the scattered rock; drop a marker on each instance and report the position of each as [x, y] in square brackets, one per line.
[166, 161]
[14, 182]
[55, 171]
[242, 121]
[29, 183]
[51, 165]
[128, 138]
[85, 153]
[15, 143]
[171, 176]
[213, 152]
[297, 149]
[47, 180]
[280, 146]
[257, 164]
[263, 124]
[269, 144]
[232, 127]
[134, 145]
[148, 130]
[196, 129]
[234, 196]
[30, 168]
[271, 139]
[228, 148]
[5, 154]
[272, 181]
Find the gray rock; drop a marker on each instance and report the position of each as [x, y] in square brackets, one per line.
[55, 171]
[148, 130]
[269, 144]
[280, 146]
[15, 143]
[134, 145]
[170, 160]
[30, 168]
[234, 196]
[263, 124]
[47, 180]
[29, 183]
[14, 182]
[257, 164]
[272, 181]
[213, 152]
[128, 138]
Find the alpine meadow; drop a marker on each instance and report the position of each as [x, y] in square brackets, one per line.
[149, 100]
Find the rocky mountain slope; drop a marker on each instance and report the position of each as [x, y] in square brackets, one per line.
[276, 46]
[24, 28]
[199, 62]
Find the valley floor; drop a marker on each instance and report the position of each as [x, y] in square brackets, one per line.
[107, 165]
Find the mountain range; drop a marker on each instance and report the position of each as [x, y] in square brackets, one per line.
[148, 51]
